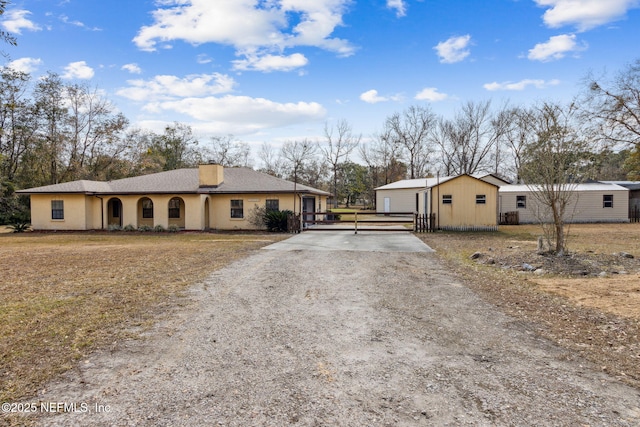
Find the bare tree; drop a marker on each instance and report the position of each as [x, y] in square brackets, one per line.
[272, 163]
[297, 154]
[340, 142]
[94, 133]
[553, 165]
[468, 142]
[382, 157]
[518, 135]
[411, 131]
[4, 36]
[229, 152]
[17, 122]
[613, 106]
[52, 114]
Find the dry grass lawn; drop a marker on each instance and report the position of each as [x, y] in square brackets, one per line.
[65, 294]
[595, 317]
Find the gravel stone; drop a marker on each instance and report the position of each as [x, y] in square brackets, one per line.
[346, 339]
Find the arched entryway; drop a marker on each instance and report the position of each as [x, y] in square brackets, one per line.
[114, 212]
[145, 212]
[176, 212]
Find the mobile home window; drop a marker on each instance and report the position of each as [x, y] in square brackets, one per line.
[447, 199]
[273, 205]
[521, 202]
[57, 209]
[237, 210]
[607, 201]
[481, 199]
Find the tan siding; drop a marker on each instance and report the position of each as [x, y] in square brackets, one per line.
[463, 211]
[401, 200]
[586, 207]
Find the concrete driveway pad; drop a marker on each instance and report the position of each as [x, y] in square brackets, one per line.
[364, 241]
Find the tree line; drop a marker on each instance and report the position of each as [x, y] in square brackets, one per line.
[53, 132]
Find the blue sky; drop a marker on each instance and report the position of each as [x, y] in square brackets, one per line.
[276, 70]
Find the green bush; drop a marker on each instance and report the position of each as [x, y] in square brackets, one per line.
[145, 228]
[129, 227]
[14, 209]
[276, 221]
[114, 227]
[20, 227]
[159, 229]
[173, 228]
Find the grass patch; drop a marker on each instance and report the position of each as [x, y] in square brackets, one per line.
[65, 295]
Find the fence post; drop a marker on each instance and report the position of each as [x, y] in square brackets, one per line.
[356, 223]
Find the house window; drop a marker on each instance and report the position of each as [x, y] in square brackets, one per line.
[237, 210]
[481, 199]
[273, 205]
[607, 201]
[447, 199]
[115, 209]
[57, 209]
[521, 202]
[174, 208]
[147, 208]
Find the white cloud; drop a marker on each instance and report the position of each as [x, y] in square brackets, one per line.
[454, 49]
[431, 94]
[399, 5]
[242, 114]
[521, 85]
[269, 63]
[203, 59]
[555, 48]
[16, 20]
[372, 97]
[166, 87]
[78, 70]
[267, 28]
[132, 68]
[26, 65]
[80, 24]
[584, 14]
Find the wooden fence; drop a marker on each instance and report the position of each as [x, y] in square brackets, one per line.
[423, 223]
[367, 221]
[510, 218]
[293, 223]
[634, 214]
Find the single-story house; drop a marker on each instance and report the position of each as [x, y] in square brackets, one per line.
[461, 202]
[591, 203]
[207, 197]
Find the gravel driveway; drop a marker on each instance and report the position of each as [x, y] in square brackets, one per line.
[345, 338]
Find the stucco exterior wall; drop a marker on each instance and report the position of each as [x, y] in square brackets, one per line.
[220, 216]
[84, 212]
[78, 212]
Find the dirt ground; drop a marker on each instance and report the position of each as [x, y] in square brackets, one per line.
[347, 339]
[588, 301]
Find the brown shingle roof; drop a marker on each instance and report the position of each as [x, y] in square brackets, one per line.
[236, 180]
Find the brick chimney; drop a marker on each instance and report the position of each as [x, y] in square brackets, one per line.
[210, 175]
